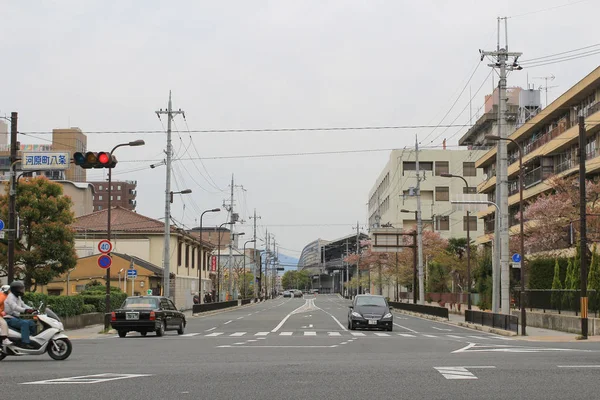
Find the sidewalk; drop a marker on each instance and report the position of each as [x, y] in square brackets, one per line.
[535, 334]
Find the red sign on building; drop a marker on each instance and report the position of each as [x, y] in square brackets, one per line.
[213, 263]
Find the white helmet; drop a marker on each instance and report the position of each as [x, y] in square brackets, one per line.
[5, 288]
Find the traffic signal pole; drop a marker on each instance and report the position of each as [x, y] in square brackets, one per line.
[12, 198]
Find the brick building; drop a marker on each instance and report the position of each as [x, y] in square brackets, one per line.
[123, 194]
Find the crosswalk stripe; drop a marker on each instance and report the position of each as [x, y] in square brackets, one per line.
[381, 334]
[334, 334]
[454, 336]
[262, 334]
[285, 334]
[357, 334]
[190, 334]
[480, 337]
[310, 333]
[238, 334]
[407, 335]
[431, 336]
[215, 334]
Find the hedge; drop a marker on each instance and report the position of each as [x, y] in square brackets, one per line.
[66, 306]
[541, 272]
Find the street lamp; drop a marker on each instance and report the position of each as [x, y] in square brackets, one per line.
[244, 275]
[522, 238]
[446, 175]
[184, 191]
[415, 265]
[108, 230]
[201, 267]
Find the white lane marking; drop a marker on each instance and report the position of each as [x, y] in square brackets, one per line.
[238, 334]
[239, 343]
[357, 334]
[344, 343]
[504, 348]
[250, 314]
[86, 379]
[305, 305]
[227, 322]
[454, 337]
[479, 337]
[431, 336]
[286, 334]
[310, 333]
[211, 329]
[189, 334]
[442, 329]
[214, 334]
[252, 340]
[381, 334]
[261, 334]
[310, 326]
[578, 366]
[459, 372]
[405, 328]
[334, 334]
[239, 317]
[407, 335]
[261, 338]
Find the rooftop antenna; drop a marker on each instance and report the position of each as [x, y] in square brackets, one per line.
[546, 87]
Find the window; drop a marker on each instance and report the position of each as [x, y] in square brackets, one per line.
[187, 255]
[99, 208]
[118, 197]
[442, 167]
[99, 197]
[442, 193]
[93, 197]
[111, 198]
[54, 292]
[100, 187]
[443, 223]
[79, 288]
[469, 169]
[193, 257]
[412, 166]
[470, 190]
[472, 223]
[119, 187]
[179, 253]
[112, 187]
[171, 305]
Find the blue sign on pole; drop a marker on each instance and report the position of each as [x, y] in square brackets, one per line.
[104, 261]
[1, 225]
[132, 273]
[516, 258]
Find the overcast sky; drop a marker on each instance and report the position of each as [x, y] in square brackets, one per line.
[108, 65]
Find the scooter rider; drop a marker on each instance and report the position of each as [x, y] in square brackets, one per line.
[13, 307]
[3, 325]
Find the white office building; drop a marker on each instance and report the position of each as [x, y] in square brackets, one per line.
[395, 190]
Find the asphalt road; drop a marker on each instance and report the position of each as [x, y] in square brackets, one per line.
[301, 349]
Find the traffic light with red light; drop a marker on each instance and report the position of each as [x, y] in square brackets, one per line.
[91, 159]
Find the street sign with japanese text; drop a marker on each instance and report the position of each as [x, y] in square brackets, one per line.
[47, 160]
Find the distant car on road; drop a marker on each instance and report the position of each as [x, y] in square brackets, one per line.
[370, 311]
[145, 314]
[297, 293]
[287, 293]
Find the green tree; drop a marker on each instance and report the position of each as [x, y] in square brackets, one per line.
[46, 248]
[594, 281]
[568, 297]
[483, 280]
[557, 286]
[295, 280]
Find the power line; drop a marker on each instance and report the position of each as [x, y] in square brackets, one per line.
[527, 61]
[546, 9]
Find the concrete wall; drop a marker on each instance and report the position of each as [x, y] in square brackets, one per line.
[559, 322]
[83, 320]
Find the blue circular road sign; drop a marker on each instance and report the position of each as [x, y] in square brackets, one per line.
[104, 261]
[516, 258]
[1, 225]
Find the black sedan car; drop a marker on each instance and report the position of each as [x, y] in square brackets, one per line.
[370, 311]
[145, 314]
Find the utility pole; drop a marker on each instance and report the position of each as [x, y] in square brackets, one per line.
[273, 268]
[358, 258]
[231, 222]
[267, 249]
[254, 273]
[419, 226]
[501, 235]
[167, 246]
[583, 228]
[12, 199]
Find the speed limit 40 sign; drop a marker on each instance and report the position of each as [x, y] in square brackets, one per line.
[105, 246]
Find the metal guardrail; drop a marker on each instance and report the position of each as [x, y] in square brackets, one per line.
[501, 321]
[199, 308]
[441, 312]
[245, 301]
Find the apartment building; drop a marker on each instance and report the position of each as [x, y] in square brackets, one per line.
[123, 194]
[395, 190]
[550, 147]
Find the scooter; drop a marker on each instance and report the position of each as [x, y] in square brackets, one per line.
[51, 339]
